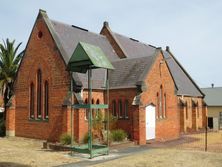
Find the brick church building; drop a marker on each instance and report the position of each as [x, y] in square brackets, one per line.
[151, 94]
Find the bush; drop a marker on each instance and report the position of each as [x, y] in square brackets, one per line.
[118, 135]
[65, 139]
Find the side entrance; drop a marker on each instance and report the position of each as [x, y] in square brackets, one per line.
[150, 122]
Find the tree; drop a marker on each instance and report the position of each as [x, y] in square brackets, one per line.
[9, 63]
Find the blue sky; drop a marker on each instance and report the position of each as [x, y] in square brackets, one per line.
[191, 28]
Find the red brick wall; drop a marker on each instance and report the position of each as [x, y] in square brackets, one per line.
[41, 53]
[130, 125]
[166, 128]
[10, 119]
[199, 116]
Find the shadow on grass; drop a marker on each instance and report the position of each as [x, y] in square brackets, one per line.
[12, 164]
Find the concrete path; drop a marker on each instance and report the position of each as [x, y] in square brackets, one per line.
[114, 154]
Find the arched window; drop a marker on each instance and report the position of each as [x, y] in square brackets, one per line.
[126, 113]
[120, 109]
[114, 108]
[97, 111]
[39, 93]
[32, 102]
[46, 104]
[86, 111]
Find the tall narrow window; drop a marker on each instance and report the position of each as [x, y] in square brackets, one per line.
[32, 101]
[126, 113]
[187, 105]
[157, 104]
[46, 105]
[160, 102]
[220, 120]
[86, 111]
[114, 108]
[164, 105]
[120, 109]
[39, 93]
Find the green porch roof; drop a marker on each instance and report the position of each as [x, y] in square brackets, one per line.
[87, 56]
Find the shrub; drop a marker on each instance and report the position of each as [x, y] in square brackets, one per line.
[118, 135]
[65, 139]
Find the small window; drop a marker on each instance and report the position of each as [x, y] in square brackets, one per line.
[120, 109]
[46, 105]
[40, 34]
[114, 108]
[32, 101]
[126, 114]
[39, 93]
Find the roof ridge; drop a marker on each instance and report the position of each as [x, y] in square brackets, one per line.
[77, 27]
[132, 58]
[212, 88]
[135, 40]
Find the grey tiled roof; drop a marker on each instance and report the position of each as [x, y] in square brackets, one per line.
[184, 83]
[69, 36]
[134, 48]
[213, 96]
[128, 72]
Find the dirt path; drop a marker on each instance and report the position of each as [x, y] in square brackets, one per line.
[16, 151]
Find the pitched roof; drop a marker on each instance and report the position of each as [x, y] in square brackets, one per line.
[67, 38]
[129, 72]
[70, 36]
[213, 96]
[184, 83]
[133, 47]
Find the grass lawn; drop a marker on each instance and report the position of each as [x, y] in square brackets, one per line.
[16, 152]
[197, 141]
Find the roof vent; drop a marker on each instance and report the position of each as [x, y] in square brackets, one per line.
[79, 28]
[212, 85]
[134, 39]
[167, 48]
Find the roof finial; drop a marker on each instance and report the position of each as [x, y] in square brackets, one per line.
[106, 23]
[167, 48]
[41, 10]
